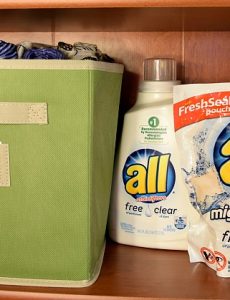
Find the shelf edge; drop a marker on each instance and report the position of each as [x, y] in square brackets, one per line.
[36, 4]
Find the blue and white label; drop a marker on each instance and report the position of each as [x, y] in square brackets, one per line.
[180, 222]
[149, 175]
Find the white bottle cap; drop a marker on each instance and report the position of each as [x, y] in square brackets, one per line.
[159, 69]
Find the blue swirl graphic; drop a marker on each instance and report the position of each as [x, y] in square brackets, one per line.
[218, 158]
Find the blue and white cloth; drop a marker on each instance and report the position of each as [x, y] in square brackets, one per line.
[8, 50]
[43, 53]
[29, 50]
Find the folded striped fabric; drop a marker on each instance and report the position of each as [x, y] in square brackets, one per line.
[29, 50]
[8, 50]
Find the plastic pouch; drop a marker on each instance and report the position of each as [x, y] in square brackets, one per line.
[202, 124]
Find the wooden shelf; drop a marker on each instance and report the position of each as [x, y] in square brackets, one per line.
[24, 4]
[132, 273]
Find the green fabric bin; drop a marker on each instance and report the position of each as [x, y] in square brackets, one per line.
[58, 123]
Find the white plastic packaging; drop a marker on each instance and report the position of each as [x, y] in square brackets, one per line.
[202, 124]
[149, 201]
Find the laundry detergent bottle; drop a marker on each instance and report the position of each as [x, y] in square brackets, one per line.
[149, 202]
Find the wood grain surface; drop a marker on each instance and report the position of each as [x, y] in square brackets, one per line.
[111, 3]
[206, 57]
[132, 272]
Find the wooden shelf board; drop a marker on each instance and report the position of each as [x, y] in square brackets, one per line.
[23, 4]
[137, 273]
[115, 20]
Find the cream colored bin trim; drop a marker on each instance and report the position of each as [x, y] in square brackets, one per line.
[60, 65]
[4, 166]
[57, 283]
[23, 113]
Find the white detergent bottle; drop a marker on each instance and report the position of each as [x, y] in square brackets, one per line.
[149, 202]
